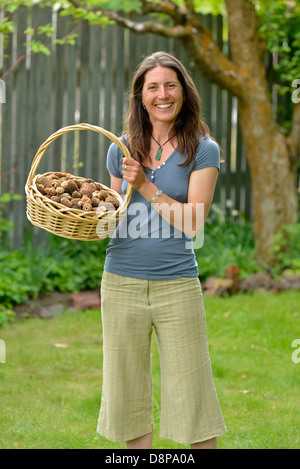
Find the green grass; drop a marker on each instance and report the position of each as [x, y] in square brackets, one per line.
[50, 396]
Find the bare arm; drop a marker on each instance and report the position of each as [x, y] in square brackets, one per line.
[188, 218]
[116, 184]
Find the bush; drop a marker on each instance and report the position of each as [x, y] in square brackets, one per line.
[227, 241]
[6, 225]
[6, 315]
[56, 265]
[286, 248]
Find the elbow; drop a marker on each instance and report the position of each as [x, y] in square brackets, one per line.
[194, 218]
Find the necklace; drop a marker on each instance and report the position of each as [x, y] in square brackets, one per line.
[160, 149]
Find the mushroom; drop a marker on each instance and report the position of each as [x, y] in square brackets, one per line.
[112, 200]
[59, 191]
[107, 205]
[75, 203]
[76, 195]
[103, 194]
[66, 202]
[95, 201]
[87, 207]
[69, 186]
[60, 175]
[50, 191]
[87, 189]
[65, 195]
[40, 188]
[45, 181]
[75, 192]
[86, 200]
[55, 183]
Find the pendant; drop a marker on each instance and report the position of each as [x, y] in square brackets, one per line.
[158, 154]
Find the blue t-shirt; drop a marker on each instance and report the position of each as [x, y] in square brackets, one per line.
[144, 245]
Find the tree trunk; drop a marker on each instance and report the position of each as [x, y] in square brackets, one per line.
[273, 181]
[272, 177]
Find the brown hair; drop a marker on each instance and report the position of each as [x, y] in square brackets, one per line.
[189, 125]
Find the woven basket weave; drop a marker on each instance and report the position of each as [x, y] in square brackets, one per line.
[70, 222]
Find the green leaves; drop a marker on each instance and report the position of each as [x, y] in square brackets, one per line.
[6, 225]
[286, 246]
[6, 26]
[215, 7]
[280, 29]
[115, 5]
[60, 265]
[38, 46]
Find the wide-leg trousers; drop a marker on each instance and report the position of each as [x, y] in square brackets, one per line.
[131, 308]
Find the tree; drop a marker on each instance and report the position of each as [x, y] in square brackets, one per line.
[272, 151]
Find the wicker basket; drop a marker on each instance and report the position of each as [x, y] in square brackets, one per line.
[70, 222]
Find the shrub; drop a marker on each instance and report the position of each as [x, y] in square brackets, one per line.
[286, 248]
[228, 240]
[56, 265]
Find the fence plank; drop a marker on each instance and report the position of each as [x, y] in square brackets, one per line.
[20, 121]
[39, 100]
[56, 148]
[70, 93]
[66, 76]
[120, 81]
[84, 96]
[94, 168]
[107, 99]
[6, 110]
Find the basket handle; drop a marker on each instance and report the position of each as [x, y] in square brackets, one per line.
[71, 128]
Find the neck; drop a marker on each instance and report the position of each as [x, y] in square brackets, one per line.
[161, 133]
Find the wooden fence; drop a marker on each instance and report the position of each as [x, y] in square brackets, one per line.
[88, 82]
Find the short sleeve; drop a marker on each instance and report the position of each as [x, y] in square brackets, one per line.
[114, 160]
[207, 154]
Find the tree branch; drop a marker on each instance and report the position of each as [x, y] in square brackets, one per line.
[214, 65]
[246, 46]
[142, 27]
[189, 4]
[168, 8]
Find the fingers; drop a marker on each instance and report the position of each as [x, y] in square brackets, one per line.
[126, 163]
[129, 165]
[129, 169]
[133, 172]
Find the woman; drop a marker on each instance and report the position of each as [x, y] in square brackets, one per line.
[150, 276]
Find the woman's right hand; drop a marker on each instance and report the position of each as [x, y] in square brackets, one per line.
[133, 173]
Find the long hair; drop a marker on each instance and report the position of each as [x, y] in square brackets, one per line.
[189, 125]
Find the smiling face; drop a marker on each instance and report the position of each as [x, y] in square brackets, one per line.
[162, 95]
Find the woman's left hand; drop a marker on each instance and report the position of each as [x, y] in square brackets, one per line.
[133, 173]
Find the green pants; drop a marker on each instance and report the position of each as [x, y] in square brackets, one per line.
[131, 308]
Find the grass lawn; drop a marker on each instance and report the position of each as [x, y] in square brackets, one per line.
[51, 381]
